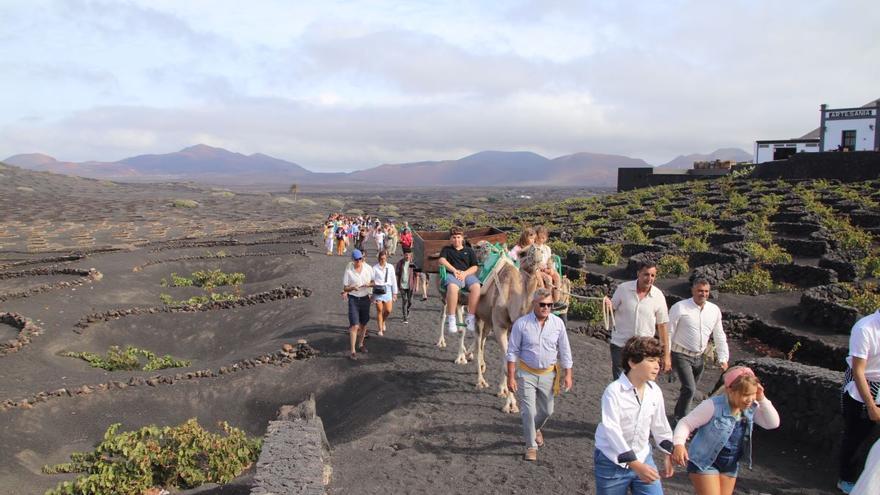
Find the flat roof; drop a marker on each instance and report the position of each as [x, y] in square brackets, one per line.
[801, 140]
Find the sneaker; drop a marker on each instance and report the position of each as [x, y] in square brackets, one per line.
[471, 323]
[845, 486]
[531, 454]
[451, 327]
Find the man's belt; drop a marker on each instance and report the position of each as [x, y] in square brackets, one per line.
[683, 350]
[557, 380]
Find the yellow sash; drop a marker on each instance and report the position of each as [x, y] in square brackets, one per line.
[557, 380]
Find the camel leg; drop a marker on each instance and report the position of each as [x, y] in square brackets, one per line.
[462, 350]
[481, 355]
[510, 398]
[441, 343]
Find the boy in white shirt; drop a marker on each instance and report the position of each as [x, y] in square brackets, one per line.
[632, 411]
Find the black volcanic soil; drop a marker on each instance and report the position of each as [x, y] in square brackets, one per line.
[402, 419]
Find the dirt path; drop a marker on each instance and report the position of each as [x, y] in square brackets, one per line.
[403, 419]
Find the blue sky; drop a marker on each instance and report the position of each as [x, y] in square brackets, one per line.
[353, 84]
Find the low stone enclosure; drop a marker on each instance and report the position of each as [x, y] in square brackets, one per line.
[826, 306]
[295, 459]
[26, 329]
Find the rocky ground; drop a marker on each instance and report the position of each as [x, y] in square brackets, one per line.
[403, 419]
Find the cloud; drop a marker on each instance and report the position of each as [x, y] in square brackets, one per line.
[343, 85]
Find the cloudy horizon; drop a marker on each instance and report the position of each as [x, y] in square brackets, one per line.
[351, 85]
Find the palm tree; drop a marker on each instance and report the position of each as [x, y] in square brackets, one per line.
[293, 190]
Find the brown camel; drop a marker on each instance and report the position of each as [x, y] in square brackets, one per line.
[505, 297]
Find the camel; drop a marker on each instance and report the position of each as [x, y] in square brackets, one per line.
[505, 297]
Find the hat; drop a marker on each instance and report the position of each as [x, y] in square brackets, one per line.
[736, 372]
[357, 255]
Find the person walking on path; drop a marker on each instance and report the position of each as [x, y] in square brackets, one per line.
[870, 478]
[538, 353]
[723, 426]
[860, 397]
[691, 323]
[384, 290]
[339, 235]
[639, 311]
[406, 240]
[632, 412]
[461, 263]
[405, 270]
[357, 283]
[391, 238]
[379, 237]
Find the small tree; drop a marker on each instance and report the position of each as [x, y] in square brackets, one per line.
[293, 190]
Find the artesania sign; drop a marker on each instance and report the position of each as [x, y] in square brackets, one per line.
[849, 114]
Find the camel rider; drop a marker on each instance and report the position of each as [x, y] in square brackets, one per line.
[461, 265]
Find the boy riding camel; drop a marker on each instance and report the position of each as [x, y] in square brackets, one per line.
[461, 265]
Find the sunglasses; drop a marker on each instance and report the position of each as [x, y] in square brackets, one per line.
[546, 305]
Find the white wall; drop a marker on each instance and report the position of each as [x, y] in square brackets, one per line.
[864, 133]
[764, 151]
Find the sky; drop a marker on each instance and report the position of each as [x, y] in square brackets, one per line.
[345, 85]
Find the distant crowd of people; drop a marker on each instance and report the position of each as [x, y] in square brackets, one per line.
[709, 441]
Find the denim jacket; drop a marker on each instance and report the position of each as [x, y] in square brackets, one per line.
[711, 437]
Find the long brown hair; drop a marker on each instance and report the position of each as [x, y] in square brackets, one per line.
[524, 236]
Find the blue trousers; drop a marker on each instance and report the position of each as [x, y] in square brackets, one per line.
[612, 479]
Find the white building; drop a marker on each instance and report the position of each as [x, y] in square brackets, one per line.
[781, 149]
[851, 129]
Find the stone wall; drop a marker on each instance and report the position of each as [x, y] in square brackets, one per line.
[847, 167]
[807, 398]
[295, 458]
[801, 275]
[821, 306]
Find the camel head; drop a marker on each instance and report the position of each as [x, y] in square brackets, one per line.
[530, 259]
[481, 249]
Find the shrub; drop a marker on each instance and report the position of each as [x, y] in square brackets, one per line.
[770, 203]
[561, 247]
[206, 279]
[617, 213]
[661, 205]
[634, 233]
[223, 194]
[585, 231]
[335, 203]
[306, 202]
[701, 208]
[737, 201]
[690, 244]
[179, 457]
[671, 265]
[185, 203]
[869, 266]
[758, 229]
[753, 282]
[590, 311]
[773, 253]
[866, 300]
[128, 359]
[608, 254]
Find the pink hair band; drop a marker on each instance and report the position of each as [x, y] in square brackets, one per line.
[735, 373]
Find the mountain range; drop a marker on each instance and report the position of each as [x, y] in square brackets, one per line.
[202, 163]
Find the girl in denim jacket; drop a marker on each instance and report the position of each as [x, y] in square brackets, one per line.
[723, 427]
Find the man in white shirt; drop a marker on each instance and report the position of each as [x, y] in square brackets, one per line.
[691, 323]
[860, 401]
[633, 411]
[639, 311]
[538, 347]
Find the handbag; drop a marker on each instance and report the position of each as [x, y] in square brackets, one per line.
[380, 290]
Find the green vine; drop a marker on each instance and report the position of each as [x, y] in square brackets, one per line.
[179, 457]
[128, 359]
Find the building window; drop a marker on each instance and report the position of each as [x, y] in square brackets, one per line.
[763, 146]
[848, 140]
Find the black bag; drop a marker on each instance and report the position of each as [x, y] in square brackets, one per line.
[381, 290]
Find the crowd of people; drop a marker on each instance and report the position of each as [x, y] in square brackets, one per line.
[709, 441]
